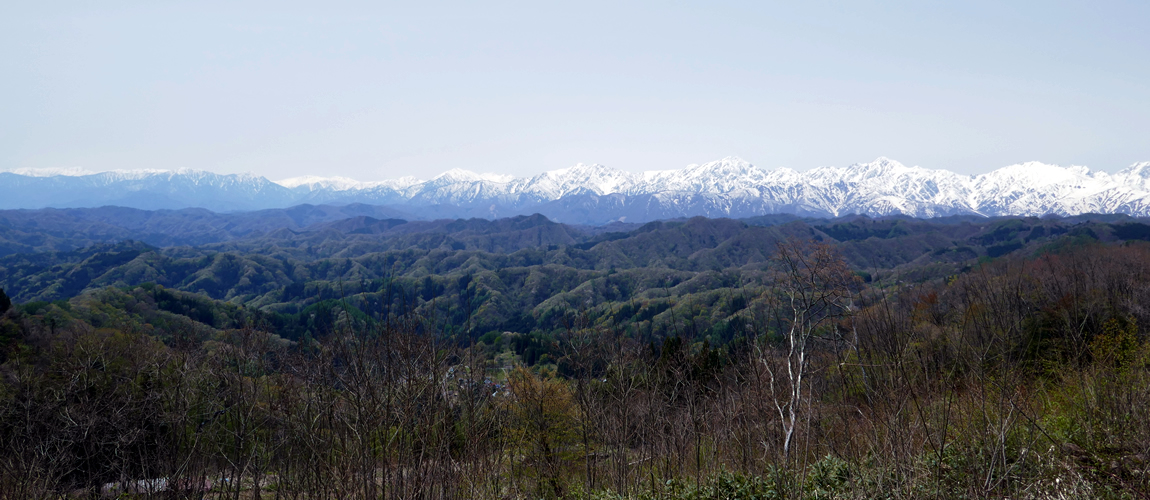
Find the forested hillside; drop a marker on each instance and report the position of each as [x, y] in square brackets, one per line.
[773, 357]
[522, 274]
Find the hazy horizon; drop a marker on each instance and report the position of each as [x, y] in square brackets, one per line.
[373, 92]
[80, 171]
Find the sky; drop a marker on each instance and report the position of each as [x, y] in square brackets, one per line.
[378, 90]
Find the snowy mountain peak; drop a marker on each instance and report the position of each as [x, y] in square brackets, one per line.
[729, 187]
[314, 182]
[880, 167]
[400, 183]
[717, 177]
[1033, 174]
[51, 172]
[732, 161]
[595, 178]
[461, 175]
[881, 163]
[1141, 169]
[579, 168]
[730, 164]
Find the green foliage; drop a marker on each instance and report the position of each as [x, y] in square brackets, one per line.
[1117, 344]
[723, 486]
[828, 478]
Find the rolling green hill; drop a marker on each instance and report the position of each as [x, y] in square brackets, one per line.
[523, 274]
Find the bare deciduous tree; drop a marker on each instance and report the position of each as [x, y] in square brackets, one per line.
[812, 291]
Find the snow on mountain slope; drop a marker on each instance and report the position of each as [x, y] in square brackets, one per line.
[51, 172]
[581, 178]
[728, 187]
[729, 175]
[1136, 176]
[314, 183]
[145, 189]
[461, 175]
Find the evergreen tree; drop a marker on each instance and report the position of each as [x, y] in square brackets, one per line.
[5, 302]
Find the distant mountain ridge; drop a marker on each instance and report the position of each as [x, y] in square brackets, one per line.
[595, 194]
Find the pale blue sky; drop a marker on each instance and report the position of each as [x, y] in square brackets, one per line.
[374, 90]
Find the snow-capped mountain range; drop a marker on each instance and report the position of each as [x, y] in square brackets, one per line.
[595, 194]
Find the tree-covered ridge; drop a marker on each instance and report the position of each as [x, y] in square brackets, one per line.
[51, 229]
[525, 274]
